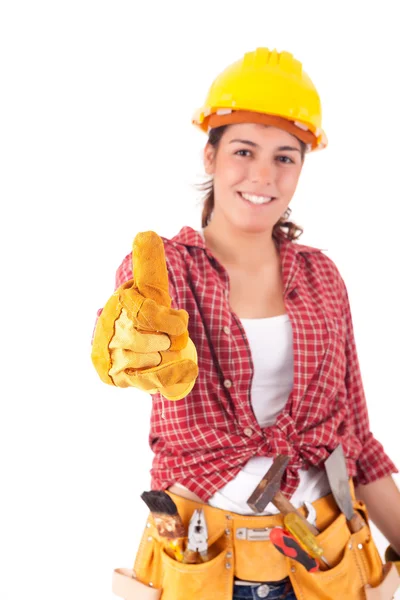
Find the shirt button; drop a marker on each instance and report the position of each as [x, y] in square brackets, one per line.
[226, 330]
[248, 431]
[228, 383]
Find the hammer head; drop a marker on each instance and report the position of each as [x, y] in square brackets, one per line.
[269, 484]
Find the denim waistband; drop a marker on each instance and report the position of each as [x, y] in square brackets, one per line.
[276, 590]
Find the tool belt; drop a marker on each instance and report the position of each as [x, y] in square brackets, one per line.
[240, 548]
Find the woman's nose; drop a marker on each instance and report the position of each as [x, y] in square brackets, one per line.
[262, 174]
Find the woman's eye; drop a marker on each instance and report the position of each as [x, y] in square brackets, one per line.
[285, 160]
[244, 151]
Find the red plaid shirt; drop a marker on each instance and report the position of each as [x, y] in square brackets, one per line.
[204, 440]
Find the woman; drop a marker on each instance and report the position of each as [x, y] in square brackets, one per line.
[256, 358]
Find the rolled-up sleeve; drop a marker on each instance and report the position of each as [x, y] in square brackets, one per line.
[373, 462]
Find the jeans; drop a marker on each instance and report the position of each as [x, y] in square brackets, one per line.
[277, 590]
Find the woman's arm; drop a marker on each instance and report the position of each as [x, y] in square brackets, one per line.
[374, 484]
[373, 463]
[382, 499]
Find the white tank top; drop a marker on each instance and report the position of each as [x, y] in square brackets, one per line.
[271, 346]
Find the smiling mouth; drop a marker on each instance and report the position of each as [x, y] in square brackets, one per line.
[256, 200]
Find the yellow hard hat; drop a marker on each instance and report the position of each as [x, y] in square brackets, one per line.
[269, 83]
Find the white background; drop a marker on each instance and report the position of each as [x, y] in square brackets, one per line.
[97, 145]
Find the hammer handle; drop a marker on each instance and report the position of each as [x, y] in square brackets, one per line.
[285, 506]
[356, 522]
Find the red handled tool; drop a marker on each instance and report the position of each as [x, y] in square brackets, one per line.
[289, 546]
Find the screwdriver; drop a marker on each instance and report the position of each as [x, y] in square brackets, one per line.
[303, 535]
[289, 546]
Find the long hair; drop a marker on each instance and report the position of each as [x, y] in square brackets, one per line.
[283, 227]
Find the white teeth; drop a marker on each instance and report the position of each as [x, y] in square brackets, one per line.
[256, 199]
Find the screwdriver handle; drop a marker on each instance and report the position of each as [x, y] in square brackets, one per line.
[302, 534]
[176, 546]
[289, 546]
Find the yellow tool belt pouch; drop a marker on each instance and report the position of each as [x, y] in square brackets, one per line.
[239, 547]
[178, 581]
[354, 561]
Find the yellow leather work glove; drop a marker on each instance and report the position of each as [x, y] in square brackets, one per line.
[392, 556]
[139, 340]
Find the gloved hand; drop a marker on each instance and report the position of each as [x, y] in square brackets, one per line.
[139, 340]
[392, 556]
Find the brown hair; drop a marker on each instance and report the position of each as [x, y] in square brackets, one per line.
[293, 230]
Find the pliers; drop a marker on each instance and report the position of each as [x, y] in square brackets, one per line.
[197, 546]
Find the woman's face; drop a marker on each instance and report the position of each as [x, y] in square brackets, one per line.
[252, 164]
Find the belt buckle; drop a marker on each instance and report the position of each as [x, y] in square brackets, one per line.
[256, 534]
[263, 590]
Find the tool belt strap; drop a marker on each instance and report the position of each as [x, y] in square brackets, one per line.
[126, 586]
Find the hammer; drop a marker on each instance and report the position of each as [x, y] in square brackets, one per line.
[268, 491]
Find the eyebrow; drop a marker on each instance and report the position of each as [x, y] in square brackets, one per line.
[281, 148]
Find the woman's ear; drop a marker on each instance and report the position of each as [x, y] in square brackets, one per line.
[209, 159]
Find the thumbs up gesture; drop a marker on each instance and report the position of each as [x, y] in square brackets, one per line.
[139, 339]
